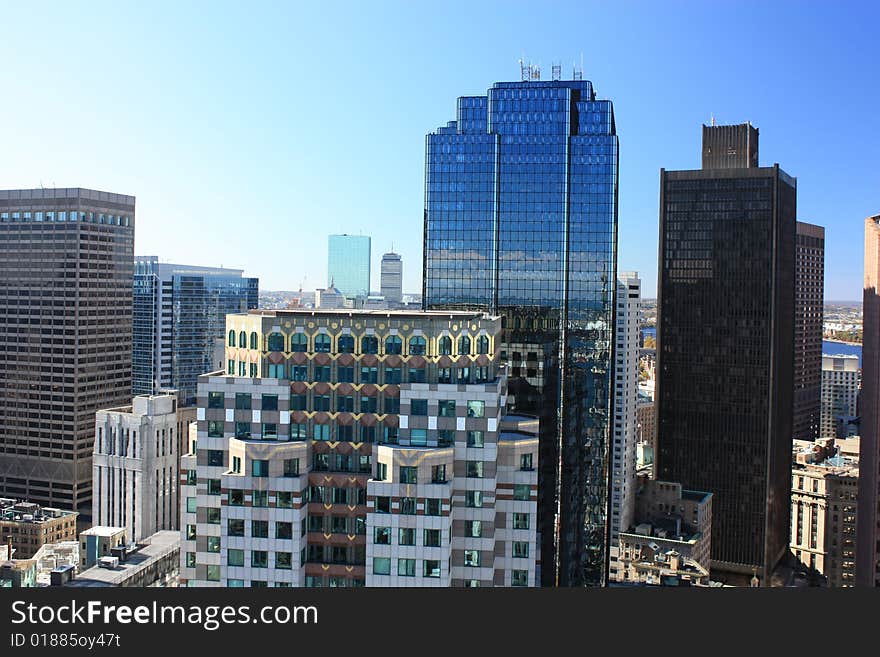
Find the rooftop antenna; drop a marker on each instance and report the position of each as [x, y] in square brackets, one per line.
[578, 73]
[556, 72]
[524, 70]
[713, 120]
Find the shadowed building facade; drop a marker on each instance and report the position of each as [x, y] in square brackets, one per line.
[809, 313]
[521, 221]
[725, 356]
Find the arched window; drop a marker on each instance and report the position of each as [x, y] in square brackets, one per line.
[464, 345]
[232, 338]
[369, 344]
[299, 342]
[276, 342]
[322, 342]
[417, 346]
[393, 345]
[483, 344]
[242, 340]
[345, 344]
[255, 340]
[444, 345]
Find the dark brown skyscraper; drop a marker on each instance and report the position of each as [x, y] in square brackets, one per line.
[66, 267]
[867, 533]
[725, 347]
[808, 312]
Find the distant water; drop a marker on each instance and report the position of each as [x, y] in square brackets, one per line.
[828, 348]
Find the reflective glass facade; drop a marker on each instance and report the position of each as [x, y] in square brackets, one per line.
[179, 313]
[348, 264]
[521, 220]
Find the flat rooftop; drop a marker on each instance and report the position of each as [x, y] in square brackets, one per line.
[160, 545]
[102, 531]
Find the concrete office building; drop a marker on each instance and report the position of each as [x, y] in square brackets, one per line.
[868, 547]
[66, 259]
[627, 335]
[824, 492]
[348, 264]
[98, 542]
[725, 356]
[808, 312]
[841, 378]
[391, 278]
[27, 526]
[371, 449]
[135, 464]
[179, 311]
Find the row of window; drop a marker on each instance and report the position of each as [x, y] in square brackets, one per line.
[369, 344]
[63, 215]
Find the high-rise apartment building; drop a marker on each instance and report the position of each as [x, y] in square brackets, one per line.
[391, 281]
[65, 335]
[868, 544]
[27, 527]
[626, 427]
[521, 221]
[135, 465]
[808, 312]
[348, 264]
[179, 311]
[841, 377]
[725, 356]
[368, 449]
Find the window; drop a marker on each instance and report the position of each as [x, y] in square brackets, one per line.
[383, 504]
[408, 506]
[525, 461]
[345, 403]
[472, 558]
[291, 467]
[446, 408]
[284, 500]
[215, 428]
[369, 404]
[255, 340]
[406, 567]
[483, 344]
[276, 342]
[190, 532]
[476, 409]
[321, 402]
[345, 374]
[381, 471]
[418, 437]
[191, 477]
[242, 429]
[299, 342]
[190, 559]
[473, 528]
[299, 372]
[445, 437]
[235, 557]
[418, 407]
[474, 469]
[473, 498]
[463, 375]
[235, 497]
[230, 366]
[259, 559]
[408, 474]
[270, 430]
[260, 498]
[519, 577]
[231, 341]
[284, 530]
[298, 402]
[432, 538]
[344, 432]
[431, 568]
[522, 492]
[416, 375]
[444, 346]
[339, 525]
[270, 402]
[382, 536]
[417, 346]
[432, 506]
[381, 566]
[213, 486]
[260, 529]
[438, 474]
[345, 344]
[322, 343]
[474, 438]
[520, 520]
[392, 405]
[322, 373]
[235, 527]
[369, 344]
[276, 371]
[369, 375]
[284, 560]
[215, 400]
[444, 375]
[392, 375]
[520, 550]
[243, 401]
[213, 544]
[213, 574]
[260, 468]
[190, 505]
[242, 340]
[464, 345]
[299, 430]
[406, 536]
[393, 345]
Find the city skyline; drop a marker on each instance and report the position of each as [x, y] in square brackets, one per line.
[403, 76]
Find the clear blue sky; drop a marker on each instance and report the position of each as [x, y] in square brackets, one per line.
[250, 131]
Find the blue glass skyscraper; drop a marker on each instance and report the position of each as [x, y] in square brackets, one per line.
[179, 313]
[348, 264]
[521, 220]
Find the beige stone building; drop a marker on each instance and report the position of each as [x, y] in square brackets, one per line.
[29, 526]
